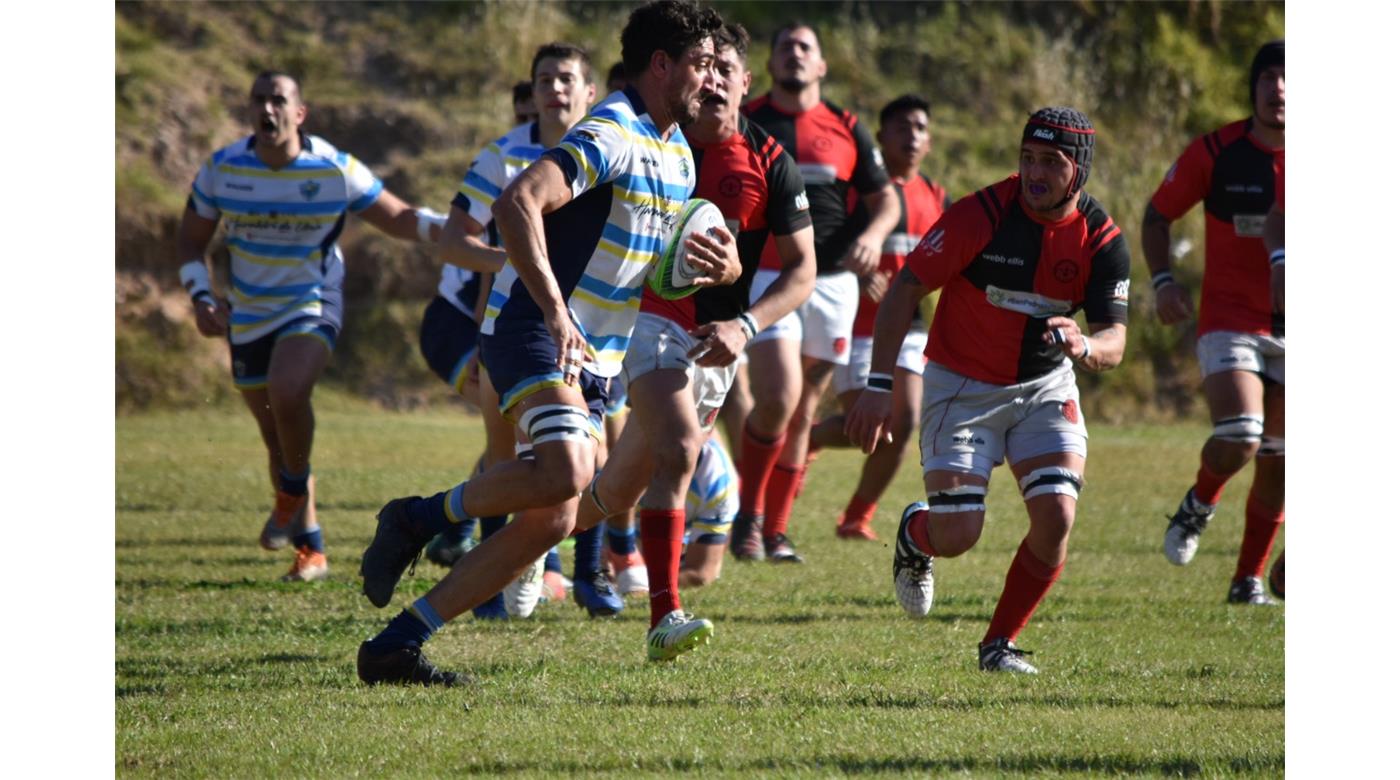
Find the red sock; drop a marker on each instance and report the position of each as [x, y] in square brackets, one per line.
[661, 532]
[918, 533]
[1261, 526]
[858, 512]
[782, 491]
[1027, 582]
[756, 460]
[1209, 485]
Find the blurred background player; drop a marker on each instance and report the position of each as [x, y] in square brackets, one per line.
[683, 353]
[617, 78]
[522, 97]
[1015, 261]
[904, 141]
[1240, 341]
[835, 154]
[562, 91]
[710, 506]
[556, 328]
[283, 196]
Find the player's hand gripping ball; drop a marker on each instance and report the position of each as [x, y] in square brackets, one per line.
[673, 276]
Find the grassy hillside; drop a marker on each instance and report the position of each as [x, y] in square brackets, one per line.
[415, 89]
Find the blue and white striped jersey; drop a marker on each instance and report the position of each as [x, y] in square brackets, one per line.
[629, 186]
[282, 228]
[712, 499]
[494, 167]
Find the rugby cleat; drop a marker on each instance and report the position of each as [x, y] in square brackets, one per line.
[913, 571]
[1249, 590]
[856, 530]
[595, 594]
[677, 633]
[444, 550]
[522, 595]
[1000, 655]
[746, 537]
[394, 547]
[287, 513]
[1184, 530]
[307, 566]
[404, 666]
[779, 549]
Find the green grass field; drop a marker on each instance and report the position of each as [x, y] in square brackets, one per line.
[221, 671]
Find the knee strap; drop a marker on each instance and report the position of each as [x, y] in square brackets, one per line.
[963, 498]
[1271, 447]
[524, 451]
[1245, 429]
[1050, 480]
[598, 502]
[556, 422]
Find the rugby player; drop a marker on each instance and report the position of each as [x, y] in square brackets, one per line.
[904, 141]
[283, 196]
[681, 359]
[1014, 261]
[1239, 334]
[582, 225]
[522, 98]
[835, 154]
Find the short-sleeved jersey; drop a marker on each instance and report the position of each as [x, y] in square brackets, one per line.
[629, 187]
[834, 153]
[1236, 177]
[757, 187]
[714, 489]
[921, 203]
[494, 167]
[1002, 271]
[282, 229]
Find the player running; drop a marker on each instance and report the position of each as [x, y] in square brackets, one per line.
[682, 356]
[1240, 342]
[582, 226]
[835, 154]
[1014, 261]
[904, 141]
[283, 196]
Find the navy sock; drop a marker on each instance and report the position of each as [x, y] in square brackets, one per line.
[411, 628]
[310, 540]
[622, 542]
[427, 517]
[588, 550]
[551, 561]
[292, 484]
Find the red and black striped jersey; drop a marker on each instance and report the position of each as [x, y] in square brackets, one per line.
[834, 153]
[1237, 178]
[1002, 271]
[921, 203]
[757, 187]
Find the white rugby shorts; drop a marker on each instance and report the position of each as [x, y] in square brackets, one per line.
[970, 426]
[658, 343]
[822, 323]
[1224, 350]
[854, 374]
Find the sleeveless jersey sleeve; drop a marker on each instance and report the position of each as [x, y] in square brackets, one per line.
[951, 244]
[787, 197]
[485, 180]
[595, 151]
[1187, 182]
[870, 174]
[362, 187]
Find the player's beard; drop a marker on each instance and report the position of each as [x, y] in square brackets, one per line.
[792, 84]
[685, 111]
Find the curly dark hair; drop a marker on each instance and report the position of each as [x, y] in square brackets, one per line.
[672, 26]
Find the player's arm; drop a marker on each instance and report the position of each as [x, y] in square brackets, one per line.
[1173, 301]
[864, 255]
[519, 214]
[868, 421]
[398, 219]
[195, 232]
[1273, 242]
[461, 244]
[722, 341]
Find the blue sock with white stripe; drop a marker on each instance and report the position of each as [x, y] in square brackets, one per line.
[588, 551]
[411, 628]
[622, 542]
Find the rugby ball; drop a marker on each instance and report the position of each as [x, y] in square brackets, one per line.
[673, 277]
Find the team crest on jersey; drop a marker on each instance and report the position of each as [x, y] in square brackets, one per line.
[1071, 411]
[1066, 270]
[310, 188]
[933, 242]
[730, 186]
[685, 168]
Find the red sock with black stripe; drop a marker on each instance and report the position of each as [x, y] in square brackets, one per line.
[661, 532]
[1261, 525]
[1027, 582]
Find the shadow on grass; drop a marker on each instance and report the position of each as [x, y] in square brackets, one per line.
[1179, 766]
